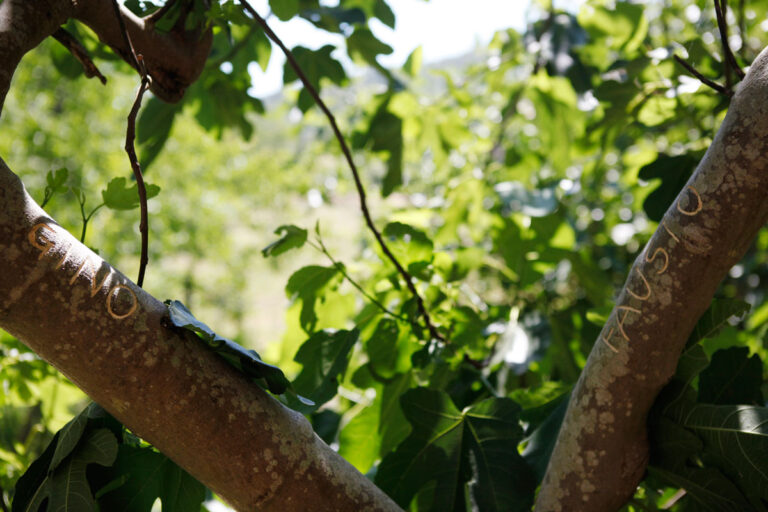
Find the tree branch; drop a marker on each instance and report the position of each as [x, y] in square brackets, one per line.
[706, 81]
[721, 10]
[173, 59]
[602, 449]
[109, 337]
[433, 332]
[80, 53]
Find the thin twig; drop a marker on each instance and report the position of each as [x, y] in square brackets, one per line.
[130, 137]
[706, 81]
[721, 11]
[79, 52]
[434, 333]
[340, 267]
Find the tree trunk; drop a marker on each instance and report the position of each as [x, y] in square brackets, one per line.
[110, 338]
[602, 449]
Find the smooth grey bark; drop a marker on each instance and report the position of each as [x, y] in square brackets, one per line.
[602, 449]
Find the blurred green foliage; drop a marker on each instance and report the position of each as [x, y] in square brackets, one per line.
[516, 185]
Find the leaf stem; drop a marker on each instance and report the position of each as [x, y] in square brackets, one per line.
[434, 333]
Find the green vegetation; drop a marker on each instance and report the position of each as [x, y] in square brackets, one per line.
[516, 188]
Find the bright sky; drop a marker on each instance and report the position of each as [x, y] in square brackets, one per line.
[443, 28]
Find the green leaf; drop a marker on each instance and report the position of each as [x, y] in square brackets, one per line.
[222, 101]
[477, 448]
[501, 479]
[364, 44]
[293, 238]
[324, 357]
[69, 436]
[732, 378]
[182, 317]
[382, 11]
[385, 133]
[408, 244]
[413, 63]
[672, 450]
[657, 110]
[284, 9]
[716, 317]
[691, 363]
[674, 172]
[66, 486]
[316, 64]
[378, 428]
[541, 442]
[119, 196]
[307, 285]
[382, 347]
[56, 180]
[151, 475]
[153, 129]
[735, 441]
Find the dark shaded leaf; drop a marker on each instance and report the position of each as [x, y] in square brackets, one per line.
[153, 129]
[316, 64]
[324, 357]
[247, 361]
[732, 378]
[450, 448]
[716, 317]
[674, 172]
[150, 475]
[541, 442]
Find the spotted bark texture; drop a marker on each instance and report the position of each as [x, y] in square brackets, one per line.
[602, 449]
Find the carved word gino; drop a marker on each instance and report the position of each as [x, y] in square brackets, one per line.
[45, 244]
[621, 312]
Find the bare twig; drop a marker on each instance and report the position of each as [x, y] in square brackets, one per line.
[706, 81]
[79, 52]
[434, 333]
[130, 137]
[721, 11]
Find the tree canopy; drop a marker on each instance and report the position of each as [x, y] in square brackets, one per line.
[430, 313]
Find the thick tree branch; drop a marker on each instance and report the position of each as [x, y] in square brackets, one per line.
[109, 337]
[602, 449]
[174, 59]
